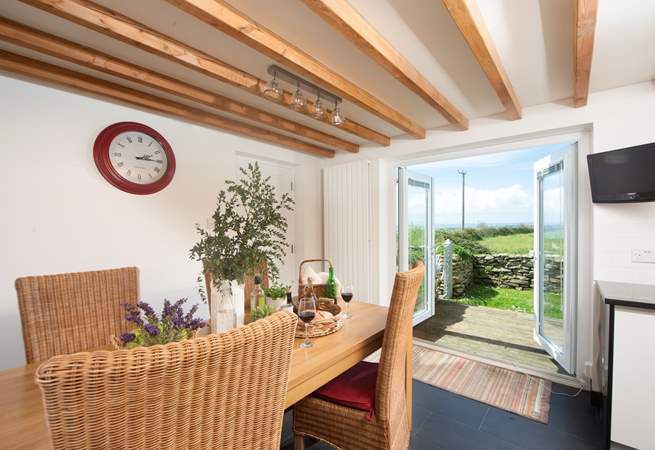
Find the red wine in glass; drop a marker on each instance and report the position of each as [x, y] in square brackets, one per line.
[347, 295]
[307, 316]
[307, 312]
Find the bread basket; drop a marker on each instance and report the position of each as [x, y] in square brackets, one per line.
[319, 289]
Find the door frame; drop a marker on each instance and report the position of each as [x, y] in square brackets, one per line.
[404, 176]
[565, 356]
[589, 359]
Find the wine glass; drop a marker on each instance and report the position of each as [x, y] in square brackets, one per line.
[347, 295]
[306, 313]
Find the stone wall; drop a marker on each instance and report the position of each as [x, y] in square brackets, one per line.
[507, 271]
[500, 270]
[515, 271]
[463, 276]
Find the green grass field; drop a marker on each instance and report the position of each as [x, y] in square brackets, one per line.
[514, 300]
[514, 244]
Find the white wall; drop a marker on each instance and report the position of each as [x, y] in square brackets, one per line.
[60, 215]
[617, 118]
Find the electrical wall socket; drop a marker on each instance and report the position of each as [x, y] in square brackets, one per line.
[643, 256]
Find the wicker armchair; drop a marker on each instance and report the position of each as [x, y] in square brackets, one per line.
[351, 429]
[223, 391]
[72, 312]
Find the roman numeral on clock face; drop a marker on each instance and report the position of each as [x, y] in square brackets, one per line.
[138, 158]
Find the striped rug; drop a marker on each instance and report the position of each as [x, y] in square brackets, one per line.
[525, 395]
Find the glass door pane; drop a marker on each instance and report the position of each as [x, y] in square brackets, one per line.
[415, 235]
[555, 267]
[551, 311]
[417, 198]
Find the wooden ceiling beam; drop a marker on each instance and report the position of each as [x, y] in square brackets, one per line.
[585, 29]
[467, 17]
[345, 19]
[57, 75]
[122, 28]
[60, 48]
[229, 20]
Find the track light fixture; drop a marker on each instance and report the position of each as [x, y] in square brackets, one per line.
[273, 89]
[298, 100]
[319, 110]
[337, 114]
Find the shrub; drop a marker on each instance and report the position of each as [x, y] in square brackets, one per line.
[467, 240]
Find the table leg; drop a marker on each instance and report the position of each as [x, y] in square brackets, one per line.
[298, 442]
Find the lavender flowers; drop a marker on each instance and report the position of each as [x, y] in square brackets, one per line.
[173, 325]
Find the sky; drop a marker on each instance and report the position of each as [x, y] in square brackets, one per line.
[499, 187]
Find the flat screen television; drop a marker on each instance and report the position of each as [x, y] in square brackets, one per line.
[622, 176]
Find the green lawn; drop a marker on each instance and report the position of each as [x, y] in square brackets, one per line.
[511, 299]
[514, 244]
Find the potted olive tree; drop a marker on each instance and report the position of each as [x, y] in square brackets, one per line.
[248, 232]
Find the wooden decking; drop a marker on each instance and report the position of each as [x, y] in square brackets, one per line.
[497, 334]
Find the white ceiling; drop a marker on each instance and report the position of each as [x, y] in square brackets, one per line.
[624, 51]
[533, 38]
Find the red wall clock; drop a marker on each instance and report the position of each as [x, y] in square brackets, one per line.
[134, 158]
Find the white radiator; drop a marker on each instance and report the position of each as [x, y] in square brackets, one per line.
[347, 222]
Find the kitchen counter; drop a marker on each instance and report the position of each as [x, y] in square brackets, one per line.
[627, 294]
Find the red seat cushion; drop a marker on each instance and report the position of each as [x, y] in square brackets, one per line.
[355, 388]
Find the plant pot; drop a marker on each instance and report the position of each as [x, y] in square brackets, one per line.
[226, 306]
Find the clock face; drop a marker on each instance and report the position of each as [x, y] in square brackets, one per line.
[138, 157]
[134, 158]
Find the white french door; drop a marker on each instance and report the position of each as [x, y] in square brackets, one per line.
[555, 264]
[415, 235]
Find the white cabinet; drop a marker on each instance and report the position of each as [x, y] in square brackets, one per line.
[631, 375]
[633, 378]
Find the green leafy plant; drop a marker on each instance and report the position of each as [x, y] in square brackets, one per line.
[173, 325]
[277, 291]
[479, 240]
[249, 229]
[261, 311]
[460, 249]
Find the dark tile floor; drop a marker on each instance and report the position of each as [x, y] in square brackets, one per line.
[446, 421]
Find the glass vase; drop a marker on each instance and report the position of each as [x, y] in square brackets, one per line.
[224, 300]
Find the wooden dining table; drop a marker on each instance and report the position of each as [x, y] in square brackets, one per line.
[22, 423]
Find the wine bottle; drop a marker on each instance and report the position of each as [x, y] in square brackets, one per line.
[257, 297]
[331, 286]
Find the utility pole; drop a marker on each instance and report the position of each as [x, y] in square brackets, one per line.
[463, 174]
